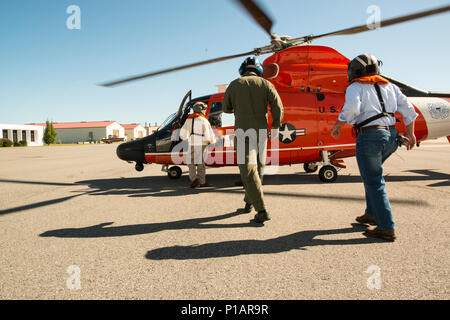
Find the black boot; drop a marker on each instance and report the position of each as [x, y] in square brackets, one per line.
[248, 208]
[262, 216]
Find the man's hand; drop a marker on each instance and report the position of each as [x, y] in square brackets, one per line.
[336, 130]
[410, 135]
[411, 141]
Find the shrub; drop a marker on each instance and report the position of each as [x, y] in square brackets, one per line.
[5, 142]
[23, 143]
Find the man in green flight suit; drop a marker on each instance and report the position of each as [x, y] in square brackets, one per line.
[248, 98]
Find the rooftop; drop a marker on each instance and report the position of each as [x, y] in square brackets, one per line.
[131, 125]
[83, 124]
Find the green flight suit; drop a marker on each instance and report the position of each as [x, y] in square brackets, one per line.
[248, 98]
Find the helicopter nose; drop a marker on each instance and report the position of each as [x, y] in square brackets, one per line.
[121, 150]
[131, 151]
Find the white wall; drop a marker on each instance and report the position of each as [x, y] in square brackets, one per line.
[115, 126]
[134, 133]
[38, 133]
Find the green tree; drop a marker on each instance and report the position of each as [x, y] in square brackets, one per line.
[53, 132]
[49, 133]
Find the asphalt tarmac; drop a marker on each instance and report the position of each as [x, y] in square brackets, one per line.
[78, 223]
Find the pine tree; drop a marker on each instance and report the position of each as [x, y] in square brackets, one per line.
[49, 133]
[53, 132]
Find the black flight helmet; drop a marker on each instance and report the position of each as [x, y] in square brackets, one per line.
[363, 65]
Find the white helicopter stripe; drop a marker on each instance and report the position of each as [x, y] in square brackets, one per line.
[272, 150]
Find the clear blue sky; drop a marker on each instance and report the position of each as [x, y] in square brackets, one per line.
[50, 72]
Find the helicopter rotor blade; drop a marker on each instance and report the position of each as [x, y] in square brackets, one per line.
[187, 66]
[266, 23]
[383, 23]
[258, 14]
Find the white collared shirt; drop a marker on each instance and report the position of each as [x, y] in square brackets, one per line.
[361, 103]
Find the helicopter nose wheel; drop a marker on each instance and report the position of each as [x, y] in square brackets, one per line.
[310, 167]
[174, 172]
[139, 166]
[328, 173]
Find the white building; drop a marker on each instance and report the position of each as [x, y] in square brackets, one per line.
[151, 129]
[74, 132]
[134, 131]
[32, 134]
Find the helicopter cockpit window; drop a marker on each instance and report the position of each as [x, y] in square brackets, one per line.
[167, 122]
[219, 119]
[215, 114]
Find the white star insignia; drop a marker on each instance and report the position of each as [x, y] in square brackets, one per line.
[286, 133]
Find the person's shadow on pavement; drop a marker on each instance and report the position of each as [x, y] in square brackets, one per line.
[299, 240]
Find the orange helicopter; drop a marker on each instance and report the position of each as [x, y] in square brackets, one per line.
[311, 81]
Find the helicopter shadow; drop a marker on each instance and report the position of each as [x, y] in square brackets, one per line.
[308, 178]
[296, 241]
[157, 186]
[162, 186]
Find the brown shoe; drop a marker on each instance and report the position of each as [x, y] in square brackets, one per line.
[388, 235]
[204, 185]
[366, 219]
[194, 183]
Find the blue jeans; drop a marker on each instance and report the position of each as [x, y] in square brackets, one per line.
[373, 147]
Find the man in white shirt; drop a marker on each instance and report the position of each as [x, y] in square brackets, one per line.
[200, 134]
[370, 104]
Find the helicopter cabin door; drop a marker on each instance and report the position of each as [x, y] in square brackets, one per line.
[329, 105]
[298, 131]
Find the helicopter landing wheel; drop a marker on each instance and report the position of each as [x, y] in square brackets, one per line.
[328, 173]
[310, 167]
[139, 166]
[174, 172]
